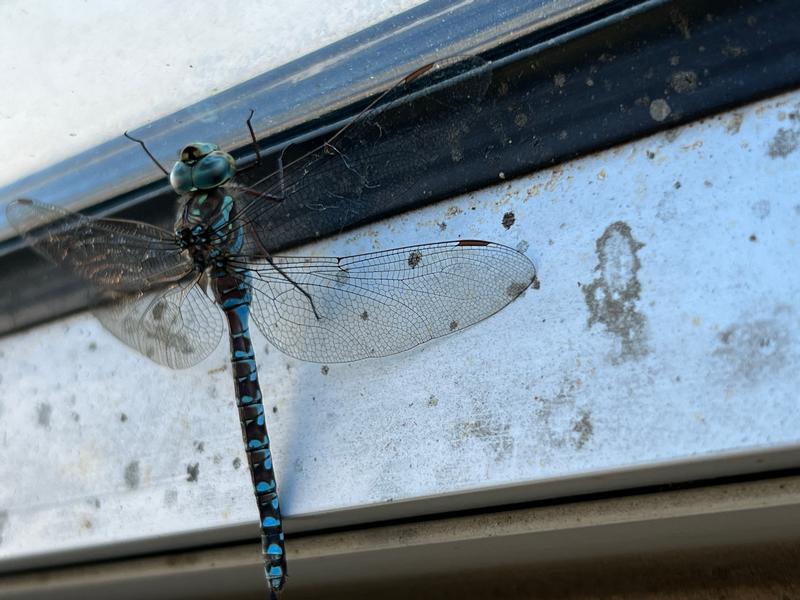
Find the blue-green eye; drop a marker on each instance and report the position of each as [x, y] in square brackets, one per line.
[213, 170]
[181, 178]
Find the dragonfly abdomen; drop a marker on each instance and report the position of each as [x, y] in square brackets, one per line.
[233, 294]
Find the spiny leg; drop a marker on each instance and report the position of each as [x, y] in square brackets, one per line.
[297, 286]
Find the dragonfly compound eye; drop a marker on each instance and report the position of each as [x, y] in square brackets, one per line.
[213, 170]
[181, 178]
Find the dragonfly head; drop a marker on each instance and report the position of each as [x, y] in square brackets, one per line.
[201, 166]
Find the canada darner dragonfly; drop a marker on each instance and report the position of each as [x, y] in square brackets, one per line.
[157, 285]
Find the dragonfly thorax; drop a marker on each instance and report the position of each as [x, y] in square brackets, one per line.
[206, 227]
[202, 166]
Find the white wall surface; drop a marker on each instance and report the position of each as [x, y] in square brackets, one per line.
[78, 73]
[662, 345]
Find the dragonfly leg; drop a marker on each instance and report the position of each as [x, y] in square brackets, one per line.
[253, 136]
[146, 151]
[268, 257]
[255, 143]
[295, 284]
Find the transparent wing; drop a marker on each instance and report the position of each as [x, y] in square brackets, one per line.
[370, 164]
[177, 326]
[328, 309]
[112, 254]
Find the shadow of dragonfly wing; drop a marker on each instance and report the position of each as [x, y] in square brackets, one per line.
[369, 166]
[111, 254]
[328, 309]
[177, 326]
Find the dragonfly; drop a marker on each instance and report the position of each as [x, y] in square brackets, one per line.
[168, 294]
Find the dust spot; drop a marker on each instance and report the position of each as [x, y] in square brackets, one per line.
[170, 497]
[562, 423]
[559, 80]
[237, 462]
[94, 502]
[675, 60]
[734, 123]
[753, 237]
[132, 475]
[734, 51]
[584, 428]
[433, 401]
[651, 155]
[3, 521]
[755, 350]
[324, 369]
[456, 152]
[487, 430]
[414, 258]
[453, 325]
[92, 346]
[666, 208]
[298, 466]
[555, 176]
[659, 109]
[442, 226]
[217, 458]
[75, 416]
[761, 209]
[508, 220]
[192, 472]
[199, 447]
[784, 143]
[452, 211]
[123, 418]
[86, 523]
[683, 82]
[516, 288]
[612, 297]
[43, 413]
[520, 120]
[677, 185]
[364, 316]
[275, 410]
[158, 310]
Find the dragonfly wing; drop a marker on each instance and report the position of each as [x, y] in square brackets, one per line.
[112, 254]
[177, 326]
[370, 165]
[329, 309]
